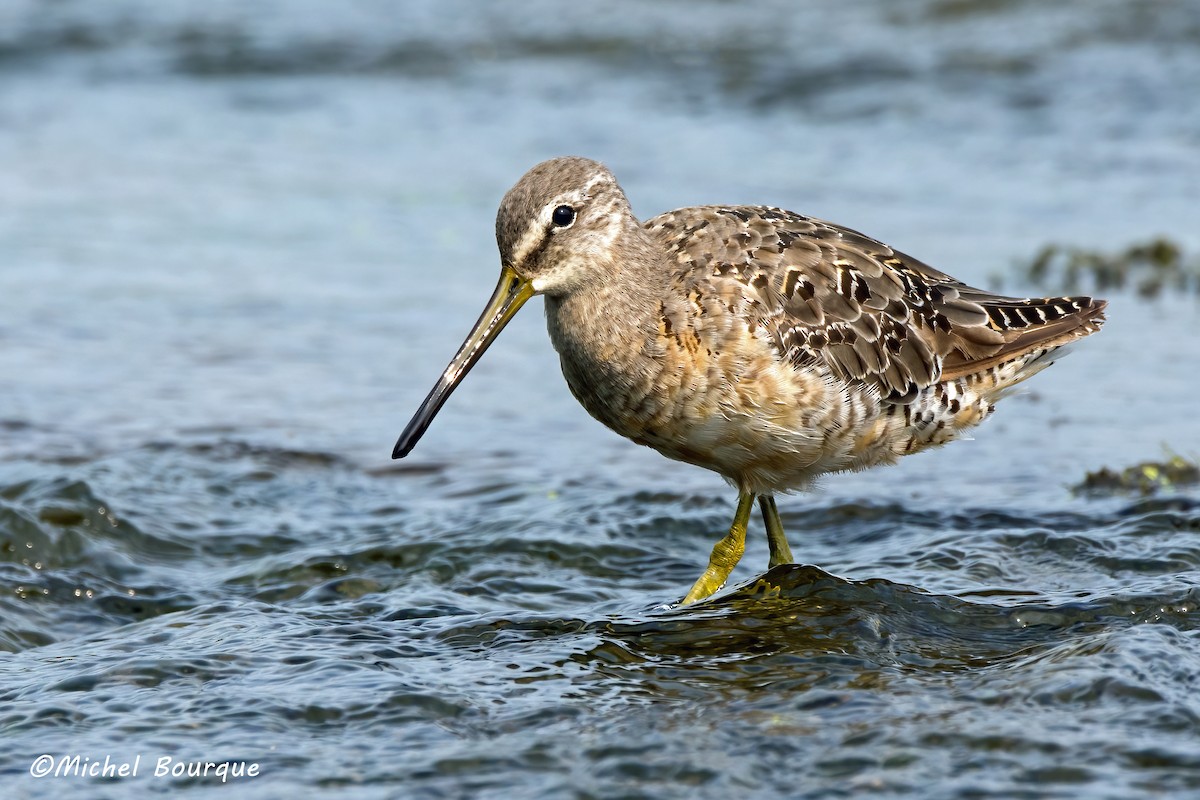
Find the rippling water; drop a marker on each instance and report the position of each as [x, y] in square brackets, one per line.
[241, 240]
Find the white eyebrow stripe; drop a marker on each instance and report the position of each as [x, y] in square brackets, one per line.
[537, 230]
[531, 239]
[586, 190]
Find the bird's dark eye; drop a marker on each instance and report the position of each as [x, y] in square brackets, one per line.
[563, 216]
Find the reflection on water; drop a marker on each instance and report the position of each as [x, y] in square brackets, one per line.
[241, 240]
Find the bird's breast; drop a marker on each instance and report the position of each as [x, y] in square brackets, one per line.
[714, 396]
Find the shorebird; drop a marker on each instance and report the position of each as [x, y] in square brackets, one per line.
[764, 345]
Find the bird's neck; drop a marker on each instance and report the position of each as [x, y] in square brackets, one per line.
[622, 304]
[601, 328]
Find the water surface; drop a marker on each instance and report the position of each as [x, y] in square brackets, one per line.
[240, 242]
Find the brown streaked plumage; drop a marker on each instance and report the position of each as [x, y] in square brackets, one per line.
[764, 345]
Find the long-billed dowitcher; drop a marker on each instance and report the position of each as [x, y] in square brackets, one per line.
[764, 345]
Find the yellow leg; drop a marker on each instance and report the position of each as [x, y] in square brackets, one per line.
[776, 538]
[725, 553]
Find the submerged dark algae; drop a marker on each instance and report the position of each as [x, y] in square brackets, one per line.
[1152, 268]
[238, 242]
[1149, 477]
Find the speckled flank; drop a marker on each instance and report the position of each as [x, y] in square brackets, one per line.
[764, 345]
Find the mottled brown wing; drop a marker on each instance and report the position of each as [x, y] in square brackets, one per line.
[872, 314]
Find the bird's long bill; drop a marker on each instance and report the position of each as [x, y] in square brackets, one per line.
[511, 293]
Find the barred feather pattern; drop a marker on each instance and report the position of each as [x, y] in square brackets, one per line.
[885, 355]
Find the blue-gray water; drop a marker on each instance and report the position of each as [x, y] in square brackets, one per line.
[239, 241]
